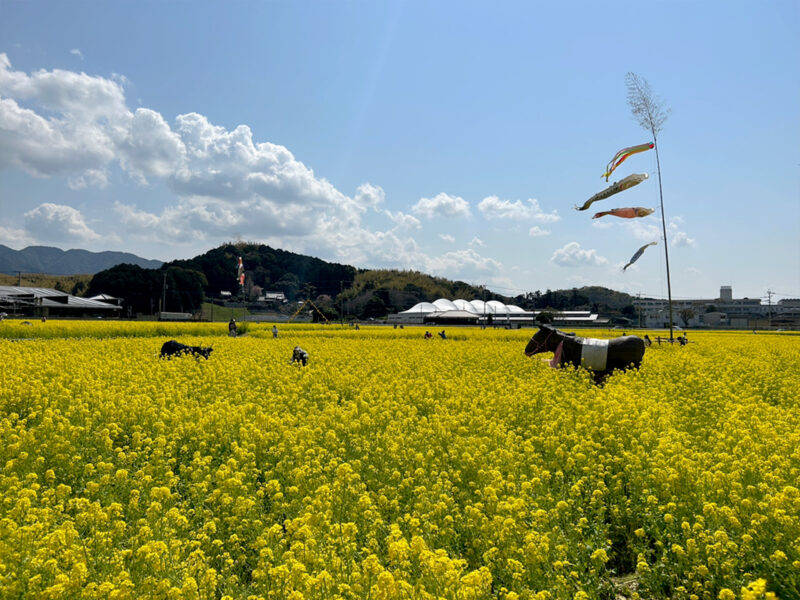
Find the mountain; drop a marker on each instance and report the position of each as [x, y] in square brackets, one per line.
[54, 261]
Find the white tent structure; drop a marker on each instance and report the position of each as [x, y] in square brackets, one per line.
[478, 312]
[463, 311]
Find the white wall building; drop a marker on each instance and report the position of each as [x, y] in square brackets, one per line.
[725, 311]
[491, 313]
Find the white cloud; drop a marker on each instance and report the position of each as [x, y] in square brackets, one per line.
[368, 195]
[447, 237]
[493, 207]
[149, 147]
[649, 229]
[476, 242]
[404, 220]
[442, 205]
[77, 53]
[82, 118]
[572, 255]
[460, 262]
[646, 229]
[537, 231]
[121, 79]
[90, 178]
[681, 239]
[225, 184]
[56, 222]
[16, 238]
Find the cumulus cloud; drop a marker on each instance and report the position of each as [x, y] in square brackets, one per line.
[680, 238]
[89, 178]
[442, 205]
[649, 229]
[461, 261]
[77, 53]
[225, 183]
[15, 238]
[56, 222]
[149, 147]
[493, 207]
[77, 130]
[369, 196]
[572, 255]
[537, 231]
[404, 220]
[476, 242]
[447, 237]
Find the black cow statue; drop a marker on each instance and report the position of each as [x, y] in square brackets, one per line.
[173, 348]
[600, 357]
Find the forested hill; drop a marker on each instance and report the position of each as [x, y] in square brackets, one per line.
[594, 298]
[269, 269]
[381, 291]
[337, 287]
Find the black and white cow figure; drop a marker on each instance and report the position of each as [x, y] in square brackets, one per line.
[173, 348]
[601, 357]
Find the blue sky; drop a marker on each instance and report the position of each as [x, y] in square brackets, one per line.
[453, 138]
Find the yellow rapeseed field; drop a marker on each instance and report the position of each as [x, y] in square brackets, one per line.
[392, 466]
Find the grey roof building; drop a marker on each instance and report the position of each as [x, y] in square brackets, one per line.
[48, 302]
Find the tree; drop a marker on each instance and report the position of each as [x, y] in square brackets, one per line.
[139, 288]
[288, 284]
[78, 288]
[309, 290]
[650, 112]
[185, 289]
[685, 315]
[375, 307]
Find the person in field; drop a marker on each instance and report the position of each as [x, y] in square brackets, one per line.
[299, 355]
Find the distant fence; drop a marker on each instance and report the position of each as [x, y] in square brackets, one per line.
[175, 316]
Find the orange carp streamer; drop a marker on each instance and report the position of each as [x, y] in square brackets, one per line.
[626, 213]
[623, 154]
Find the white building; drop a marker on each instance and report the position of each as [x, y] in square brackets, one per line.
[491, 313]
[725, 311]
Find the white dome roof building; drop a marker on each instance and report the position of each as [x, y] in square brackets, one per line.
[466, 312]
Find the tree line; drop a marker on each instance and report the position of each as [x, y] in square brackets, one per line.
[337, 289]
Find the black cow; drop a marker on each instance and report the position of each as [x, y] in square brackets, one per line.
[601, 357]
[173, 348]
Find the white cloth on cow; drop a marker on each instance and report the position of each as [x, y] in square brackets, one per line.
[594, 354]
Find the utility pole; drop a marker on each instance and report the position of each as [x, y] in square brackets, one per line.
[639, 309]
[769, 308]
[164, 294]
[484, 306]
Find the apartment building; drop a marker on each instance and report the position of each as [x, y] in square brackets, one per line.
[724, 311]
